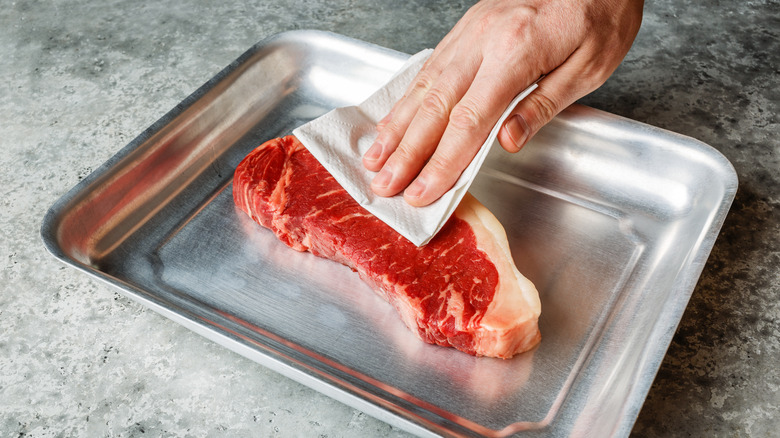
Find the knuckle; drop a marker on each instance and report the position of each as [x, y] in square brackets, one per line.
[391, 131]
[441, 171]
[518, 29]
[448, 161]
[435, 103]
[465, 117]
[438, 166]
[389, 137]
[422, 83]
[485, 23]
[522, 23]
[407, 153]
[546, 108]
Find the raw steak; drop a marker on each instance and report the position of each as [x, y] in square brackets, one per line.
[461, 289]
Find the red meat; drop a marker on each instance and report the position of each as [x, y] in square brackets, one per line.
[460, 290]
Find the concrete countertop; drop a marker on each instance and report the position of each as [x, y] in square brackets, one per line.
[81, 78]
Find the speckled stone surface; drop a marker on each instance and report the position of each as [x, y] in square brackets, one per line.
[82, 78]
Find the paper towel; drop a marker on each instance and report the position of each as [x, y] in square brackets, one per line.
[339, 139]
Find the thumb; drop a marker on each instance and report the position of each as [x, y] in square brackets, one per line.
[556, 91]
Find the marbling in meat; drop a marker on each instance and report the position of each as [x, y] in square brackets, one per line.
[460, 290]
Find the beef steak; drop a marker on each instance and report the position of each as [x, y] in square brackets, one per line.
[460, 290]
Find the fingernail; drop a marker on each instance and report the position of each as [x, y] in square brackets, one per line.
[373, 153]
[382, 179]
[416, 189]
[517, 128]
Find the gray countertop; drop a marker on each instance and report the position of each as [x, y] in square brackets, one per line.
[81, 78]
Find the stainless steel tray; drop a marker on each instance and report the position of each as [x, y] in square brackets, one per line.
[611, 219]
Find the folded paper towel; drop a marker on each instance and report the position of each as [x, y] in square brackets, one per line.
[339, 139]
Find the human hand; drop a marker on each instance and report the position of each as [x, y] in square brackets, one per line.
[495, 51]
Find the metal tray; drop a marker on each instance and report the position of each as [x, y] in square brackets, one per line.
[612, 220]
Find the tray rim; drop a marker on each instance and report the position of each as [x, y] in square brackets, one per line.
[685, 282]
